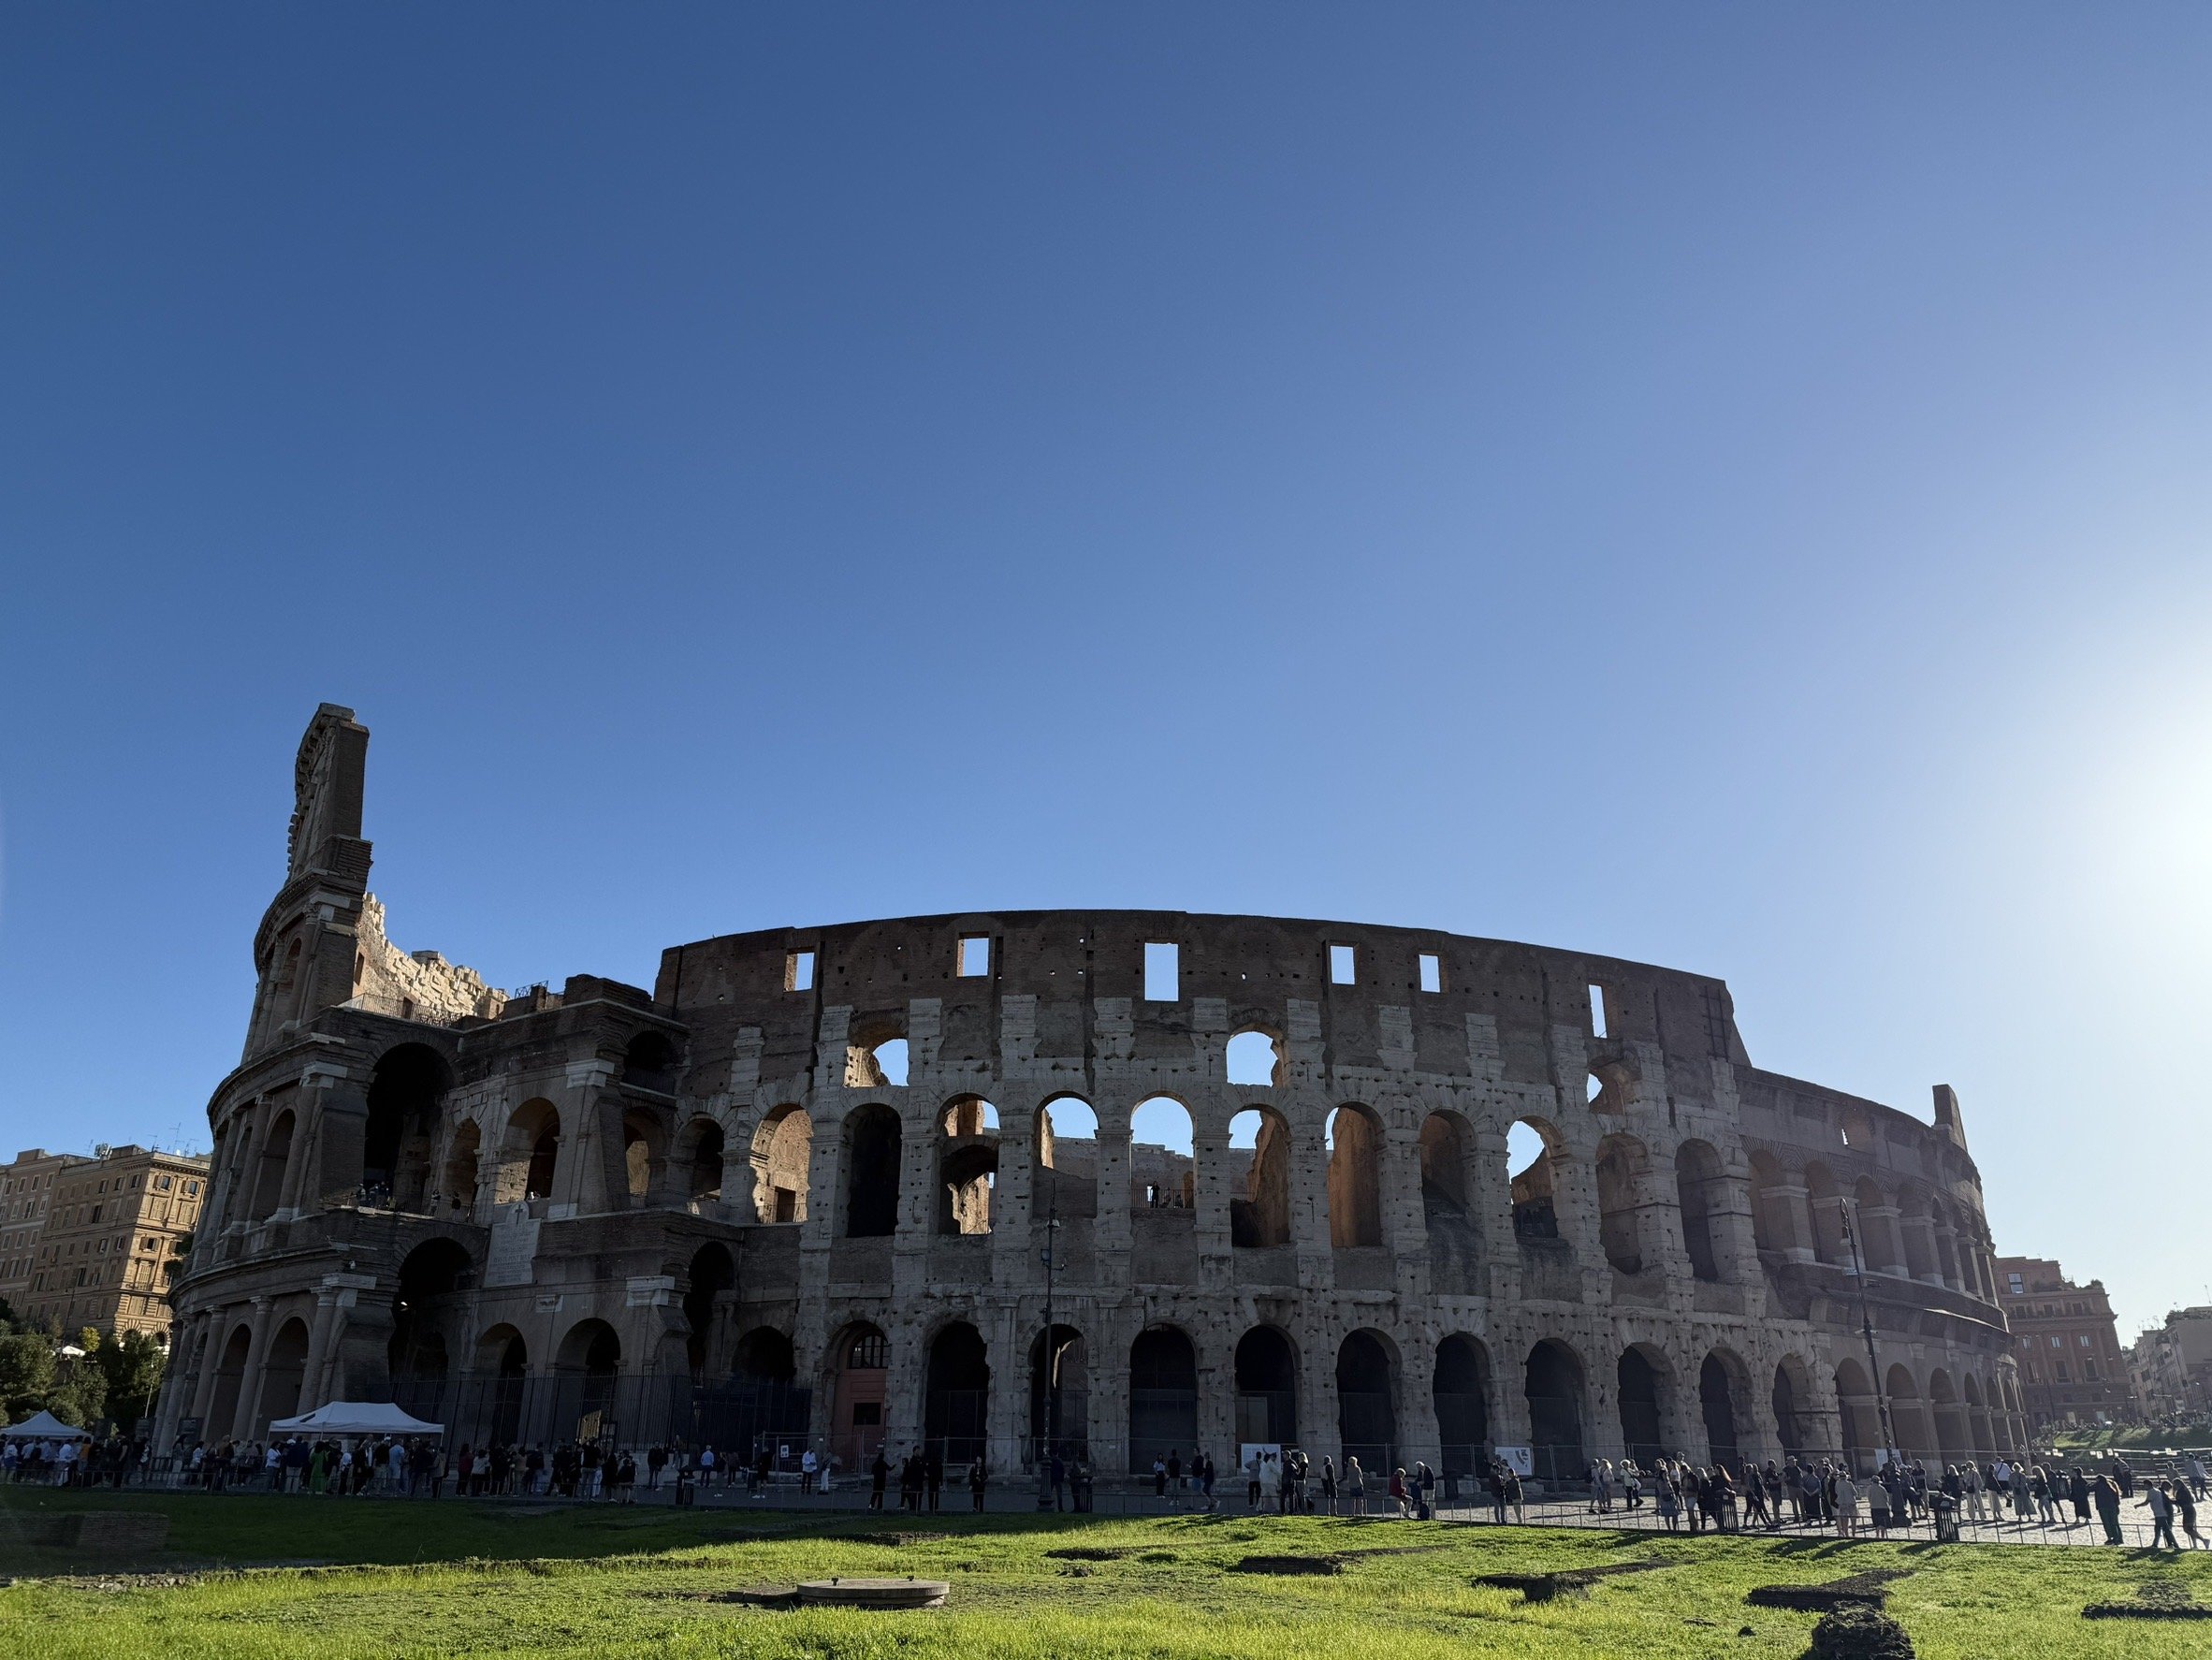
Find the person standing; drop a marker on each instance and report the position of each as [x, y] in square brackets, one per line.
[1355, 1488]
[1160, 1477]
[879, 1474]
[978, 1478]
[1328, 1484]
[2162, 1514]
[1846, 1505]
[2106, 1493]
[2185, 1507]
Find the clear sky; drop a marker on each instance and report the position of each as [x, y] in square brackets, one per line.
[1726, 487]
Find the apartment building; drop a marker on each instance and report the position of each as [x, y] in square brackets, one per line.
[115, 1232]
[27, 1188]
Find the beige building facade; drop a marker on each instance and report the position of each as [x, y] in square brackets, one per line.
[113, 1241]
[1384, 1192]
[26, 1193]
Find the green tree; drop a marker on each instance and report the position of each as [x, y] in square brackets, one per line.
[132, 1366]
[26, 1373]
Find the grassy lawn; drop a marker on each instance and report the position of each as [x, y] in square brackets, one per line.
[456, 1579]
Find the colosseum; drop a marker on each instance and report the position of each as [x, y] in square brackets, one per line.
[1125, 1182]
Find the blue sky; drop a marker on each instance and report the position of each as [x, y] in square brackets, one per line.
[1726, 487]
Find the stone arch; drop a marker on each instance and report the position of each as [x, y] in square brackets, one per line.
[1919, 1228]
[645, 1154]
[1355, 1136]
[230, 1376]
[1908, 1416]
[426, 1302]
[876, 1053]
[1771, 1219]
[1065, 1175]
[708, 1283]
[503, 1355]
[1790, 1398]
[1253, 1058]
[1643, 1384]
[1553, 1388]
[1826, 1205]
[1260, 1215]
[1461, 1390]
[1954, 1435]
[1163, 1169]
[1977, 1418]
[274, 1164]
[859, 1359]
[1060, 1395]
[649, 1063]
[782, 1164]
[1623, 1179]
[1266, 1386]
[967, 1165]
[1723, 1399]
[1445, 1142]
[1367, 1398]
[1698, 1189]
[589, 1364]
[1535, 1186]
[872, 1154]
[407, 1091]
[1858, 1420]
[956, 1399]
[530, 1153]
[1877, 1227]
[1163, 1396]
[457, 1183]
[283, 1372]
[699, 1159]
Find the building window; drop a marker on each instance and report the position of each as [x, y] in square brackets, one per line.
[2015, 1283]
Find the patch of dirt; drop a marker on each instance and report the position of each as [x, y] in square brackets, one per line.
[1867, 1590]
[1287, 1565]
[1857, 1632]
[2155, 1600]
[1093, 1553]
[1573, 1581]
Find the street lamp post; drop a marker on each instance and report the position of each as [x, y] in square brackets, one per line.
[1849, 1212]
[1052, 1365]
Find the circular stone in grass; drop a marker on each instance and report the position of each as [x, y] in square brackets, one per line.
[874, 1593]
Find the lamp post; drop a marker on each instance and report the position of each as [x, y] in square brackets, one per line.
[1849, 1213]
[1052, 1361]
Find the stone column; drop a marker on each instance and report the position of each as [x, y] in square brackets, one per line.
[1419, 1437]
[1789, 1212]
[247, 1424]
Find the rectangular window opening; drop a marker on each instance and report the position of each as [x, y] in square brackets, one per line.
[1343, 965]
[1163, 971]
[798, 971]
[1599, 1025]
[1432, 971]
[974, 962]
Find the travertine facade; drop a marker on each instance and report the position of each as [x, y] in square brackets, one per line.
[720, 1210]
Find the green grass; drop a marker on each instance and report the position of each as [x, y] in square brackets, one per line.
[454, 1579]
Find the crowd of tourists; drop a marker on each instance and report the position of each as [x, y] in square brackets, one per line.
[108, 1462]
[1900, 1497]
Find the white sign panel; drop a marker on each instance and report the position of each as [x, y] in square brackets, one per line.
[1522, 1461]
[514, 1248]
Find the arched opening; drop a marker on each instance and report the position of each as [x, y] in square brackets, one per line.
[1060, 1396]
[1254, 1059]
[1790, 1389]
[649, 1063]
[1066, 1173]
[459, 1182]
[1977, 1419]
[967, 1165]
[275, 1161]
[1770, 1224]
[876, 1053]
[645, 1154]
[871, 1165]
[1162, 1175]
[1641, 1382]
[1553, 1390]
[230, 1375]
[1908, 1416]
[427, 1297]
[1444, 1168]
[1826, 1202]
[1697, 1190]
[1623, 1170]
[1259, 1215]
[782, 1165]
[1877, 1228]
[1267, 1388]
[763, 1404]
[1462, 1393]
[1611, 1088]
[589, 1361]
[1859, 1423]
[1355, 1139]
[765, 1355]
[405, 1092]
[1919, 1236]
[956, 1412]
[529, 1154]
[1367, 1400]
[707, 1306]
[1163, 1396]
[283, 1372]
[860, 1357]
[701, 1161]
[1717, 1397]
[504, 1357]
[1530, 1153]
[1954, 1439]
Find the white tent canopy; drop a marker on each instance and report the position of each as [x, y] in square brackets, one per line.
[44, 1426]
[355, 1418]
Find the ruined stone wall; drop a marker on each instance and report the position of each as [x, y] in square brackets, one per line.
[421, 984]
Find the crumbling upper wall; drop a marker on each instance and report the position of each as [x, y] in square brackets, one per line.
[421, 985]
